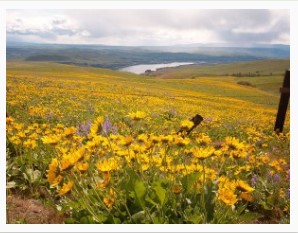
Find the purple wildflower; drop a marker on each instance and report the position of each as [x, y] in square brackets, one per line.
[269, 176]
[107, 127]
[288, 193]
[114, 129]
[254, 180]
[84, 128]
[276, 178]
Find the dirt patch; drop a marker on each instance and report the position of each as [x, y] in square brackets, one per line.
[25, 210]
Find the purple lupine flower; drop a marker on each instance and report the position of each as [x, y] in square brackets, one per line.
[84, 128]
[276, 178]
[254, 180]
[114, 129]
[107, 125]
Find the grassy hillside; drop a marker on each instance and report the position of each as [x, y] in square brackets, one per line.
[264, 67]
[103, 146]
[114, 82]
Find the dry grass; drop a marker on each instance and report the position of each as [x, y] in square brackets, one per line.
[25, 210]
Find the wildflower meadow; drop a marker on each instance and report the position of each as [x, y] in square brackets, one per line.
[102, 146]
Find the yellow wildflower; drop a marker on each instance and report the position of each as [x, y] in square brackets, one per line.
[96, 127]
[167, 138]
[243, 186]
[202, 153]
[18, 126]
[281, 194]
[82, 167]
[142, 138]
[65, 188]
[52, 177]
[106, 165]
[110, 199]
[52, 139]
[138, 115]
[78, 154]
[34, 136]
[66, 162]
[30, 144]
[105, 182]
[225, 183]
[69, 131]
[126, 141]
[186, 125]
[177, 188]
[137, 148]
[210, 174]
[180, 141]
[155, 139]
[264, 159]
[9, 120]
[227, 196]
[145, 166]
[203, 139]
[246, 197]
[21, 134]
[15, 140]
[233, 143]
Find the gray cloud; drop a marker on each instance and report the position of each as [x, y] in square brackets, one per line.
[152, 27]
[50, 28]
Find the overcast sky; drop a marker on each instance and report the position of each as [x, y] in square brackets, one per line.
[149, 27]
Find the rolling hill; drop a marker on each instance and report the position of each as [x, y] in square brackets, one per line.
[116, 57]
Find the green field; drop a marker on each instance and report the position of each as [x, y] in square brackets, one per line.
[263, 67]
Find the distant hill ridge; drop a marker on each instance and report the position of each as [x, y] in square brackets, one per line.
[116, 57]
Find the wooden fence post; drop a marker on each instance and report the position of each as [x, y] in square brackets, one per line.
[283, 103]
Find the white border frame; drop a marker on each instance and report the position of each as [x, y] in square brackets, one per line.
[292, 5]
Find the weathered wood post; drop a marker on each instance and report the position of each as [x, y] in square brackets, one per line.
[283, 103]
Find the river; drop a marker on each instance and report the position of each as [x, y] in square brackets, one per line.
[140, 69]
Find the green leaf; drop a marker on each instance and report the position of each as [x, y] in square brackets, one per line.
[140, 192]
[210, 202]
[160, 192]
[195, 218]
[248, 217]
[138, 217]
[116, 220]
[31, 175]
[190, 180]
[157, 220]
[69, 221]
[129, 182]
[266, 206]
[148, 199]
[86, 220]
[101, 218]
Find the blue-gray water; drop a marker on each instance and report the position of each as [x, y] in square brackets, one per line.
[140, 69]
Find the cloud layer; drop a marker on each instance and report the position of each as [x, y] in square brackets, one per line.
[149, 27]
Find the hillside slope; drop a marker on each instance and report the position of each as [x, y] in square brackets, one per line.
[263, 67]
[102, 91]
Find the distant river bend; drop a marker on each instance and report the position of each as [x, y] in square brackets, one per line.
[140, 69]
